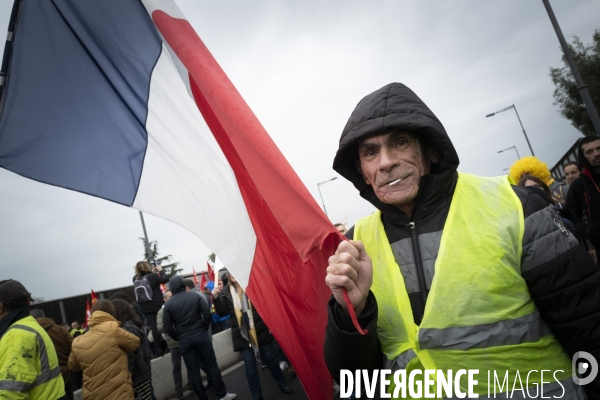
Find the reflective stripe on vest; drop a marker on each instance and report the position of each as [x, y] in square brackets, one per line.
[528, 328]
[479, 313]
[46, 373]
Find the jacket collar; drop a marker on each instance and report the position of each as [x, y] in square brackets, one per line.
[13, 317]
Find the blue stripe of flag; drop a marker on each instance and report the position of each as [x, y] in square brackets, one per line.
[76, 96]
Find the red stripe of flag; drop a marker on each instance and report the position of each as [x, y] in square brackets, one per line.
[294, 237]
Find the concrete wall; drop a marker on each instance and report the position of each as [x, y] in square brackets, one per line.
[162, 376]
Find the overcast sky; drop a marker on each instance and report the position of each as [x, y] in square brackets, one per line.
[302, 66]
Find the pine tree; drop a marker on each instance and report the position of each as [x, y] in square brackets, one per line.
[171, 269]
[567, 96]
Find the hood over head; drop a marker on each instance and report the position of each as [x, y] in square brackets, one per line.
[394, 107]
[176, 284]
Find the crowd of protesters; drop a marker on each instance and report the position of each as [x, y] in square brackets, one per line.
[111, 357]
[576, 197]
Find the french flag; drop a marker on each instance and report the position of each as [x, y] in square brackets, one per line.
[120, 99]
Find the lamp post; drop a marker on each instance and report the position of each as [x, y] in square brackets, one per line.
[146, 242]
[511, 147]
[524, 133]
[319, 187]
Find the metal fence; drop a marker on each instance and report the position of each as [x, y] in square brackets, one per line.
[69, 309]
[558, 171]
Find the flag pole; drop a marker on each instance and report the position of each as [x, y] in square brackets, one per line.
[150, 255]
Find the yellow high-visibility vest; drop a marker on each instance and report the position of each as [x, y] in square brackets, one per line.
[28, 363]
[479, 313]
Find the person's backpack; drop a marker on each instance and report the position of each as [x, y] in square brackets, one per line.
[142, 290]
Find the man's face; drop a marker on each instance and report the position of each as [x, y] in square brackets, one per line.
[571, 173]
[167, 295]
[392, 164]
[220, 285]
[75, 325]
[341, 229]
[591, 152]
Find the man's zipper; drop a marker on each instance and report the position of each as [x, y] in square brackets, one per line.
[419, 264]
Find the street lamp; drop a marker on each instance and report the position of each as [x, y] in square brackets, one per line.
[319, 187]
[514, 108]
[511, 147]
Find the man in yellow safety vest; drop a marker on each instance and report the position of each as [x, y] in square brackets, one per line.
[28, 362]
[453, 271]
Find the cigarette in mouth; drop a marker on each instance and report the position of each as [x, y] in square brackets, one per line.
[394, 182]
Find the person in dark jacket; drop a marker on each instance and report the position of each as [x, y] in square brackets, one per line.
[138, 361]
[398, 155]
[185, 319]
[530, 181]
[191, 287]
[155, 277]
[583, 197]
[62, 341]
[248, 332]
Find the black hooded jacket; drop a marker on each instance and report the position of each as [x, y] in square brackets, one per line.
[561, 278]
[185, 314]
[584, 197]
[139, 360]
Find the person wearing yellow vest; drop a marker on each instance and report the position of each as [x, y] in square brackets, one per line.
[453, 271]
[76, 329]
[28, 362]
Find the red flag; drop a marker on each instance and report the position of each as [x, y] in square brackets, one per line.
[94, 298]
[294, 238]
[202, 281]
[88, 313]
[163, 288]
[211, 272]
[196, 282]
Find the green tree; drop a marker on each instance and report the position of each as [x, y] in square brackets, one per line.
[566, 95]
[171, 269]
[212, 257]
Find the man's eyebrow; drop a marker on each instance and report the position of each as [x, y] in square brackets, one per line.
[364, 145]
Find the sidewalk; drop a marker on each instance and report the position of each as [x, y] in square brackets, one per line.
[235, 380]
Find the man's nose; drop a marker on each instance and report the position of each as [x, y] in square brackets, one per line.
[387, 160]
